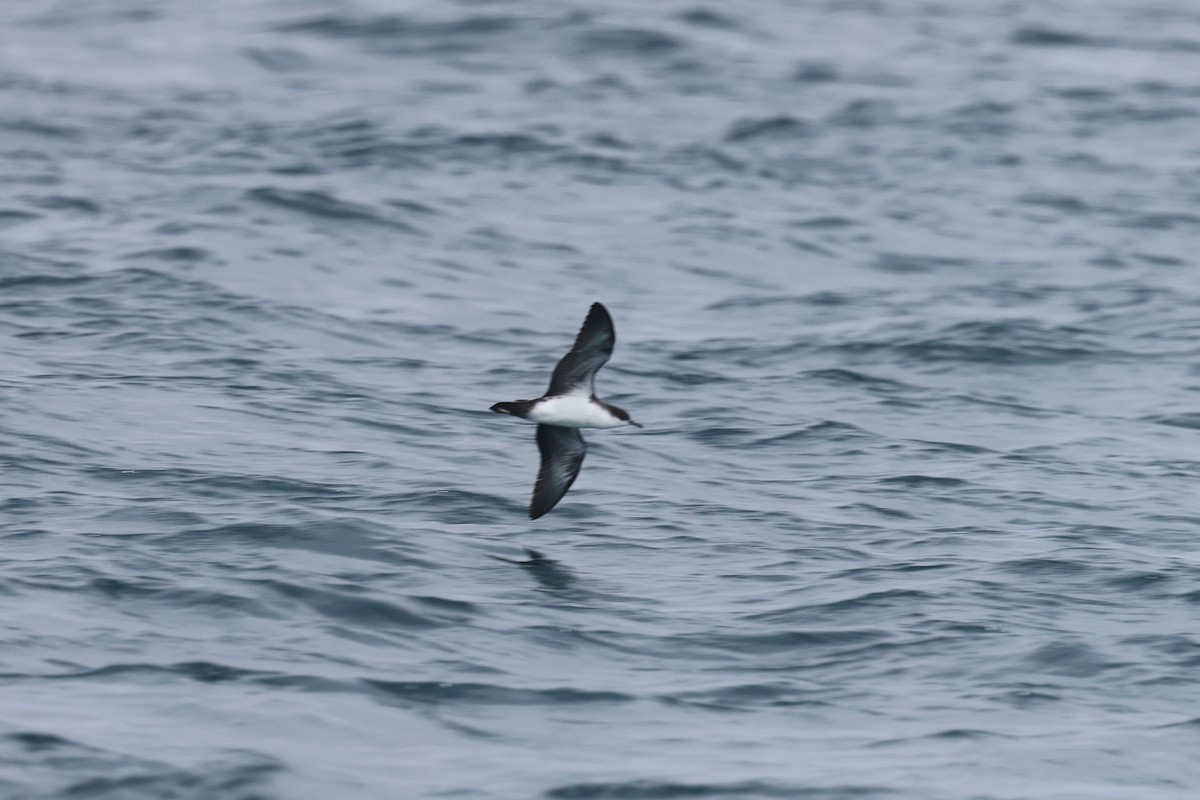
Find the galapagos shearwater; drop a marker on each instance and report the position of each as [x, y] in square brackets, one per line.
[568, 405]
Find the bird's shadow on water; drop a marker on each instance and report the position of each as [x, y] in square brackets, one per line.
[551, 575]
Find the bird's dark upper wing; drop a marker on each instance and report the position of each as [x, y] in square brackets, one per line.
[562, 452]
[576, 371]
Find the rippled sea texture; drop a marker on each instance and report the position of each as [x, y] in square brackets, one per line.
[906, 296]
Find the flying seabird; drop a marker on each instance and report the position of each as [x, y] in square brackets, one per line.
[568, 405]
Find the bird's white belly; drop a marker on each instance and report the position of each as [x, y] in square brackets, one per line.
[572, 412]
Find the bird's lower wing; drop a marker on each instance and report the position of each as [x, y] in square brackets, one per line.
[562, 452]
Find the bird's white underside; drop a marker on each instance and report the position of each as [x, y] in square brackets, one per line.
[572, 411]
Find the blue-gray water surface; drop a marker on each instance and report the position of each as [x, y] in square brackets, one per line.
[906, 296]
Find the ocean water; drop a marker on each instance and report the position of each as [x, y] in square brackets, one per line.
[906, 296]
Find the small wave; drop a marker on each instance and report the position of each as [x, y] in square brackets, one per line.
[1071, 659]
[1056, 567]
[349, 605]
[708, 18]
[924, 481]
[475, 694]
[826, 430]
[656, 790]
[784, 128]
[784, 641]
[817, 72]
[183, 255]
[405, 35]
[637, 42]
[849, 377]
[46, 765]
[870, 602]
[1191, 420]
[865, 113]
[1010, 342]
[749, 695]
[1041, 36]
[323, 205]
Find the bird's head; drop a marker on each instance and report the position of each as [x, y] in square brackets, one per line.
[623, 415]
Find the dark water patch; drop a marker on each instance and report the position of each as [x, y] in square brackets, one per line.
[627, 42]
[33, 742]
[952, 447]
[903, 263]
[1177, 467]
[1086, 94]
[1007, 342]
[809, 247]
[883, 511]
[900, 567]
[1140, 581]
[1041, 36]
[1044, 36]
[477, 694]
[549, 574]
[1180, 649]
[818, 299]
[748, 696]
[141, 520]
[13, 216]
[489, 150]
[864, 113]
[33, 283]
[43, 765]
[408, 35]
[656, 790]
[1190, 420]
[867, 601]
[816, 72]
[349, 605]
[40, 128]
[13, 264]
[1192, 724]
[357, 143]
[199, 671]
[245, 782]
[721, 436]
[456, 506]
[184, 255]
[854, 378]
[487, 146]
[982, 119]
[58, 202]
[924, 482]
[1066, 203]
[776, 129]
[951, 735]
[783, 642]
[1070, 659]
[278, 59]
[826, 430]
[322, 205]
[412, 206]
[1030, 696]
[1056, 567]
[344, 537]
[682, 377]
[294, 489]
[1160, 222]
[147, 596]
[704, 17]
[825, 222]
